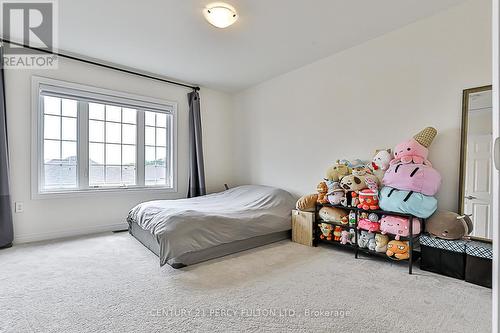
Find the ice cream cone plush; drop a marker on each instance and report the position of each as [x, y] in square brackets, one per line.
[416, 149]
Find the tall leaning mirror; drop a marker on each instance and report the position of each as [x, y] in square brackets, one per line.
[475, 194]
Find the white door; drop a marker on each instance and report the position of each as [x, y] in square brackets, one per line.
[478, 190]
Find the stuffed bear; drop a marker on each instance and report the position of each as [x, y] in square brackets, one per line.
[307, 203]
[337, 171]
[366, 240]
[380, 163]
[322, 189]
[416, 149]
[398, 249]
[381, 242]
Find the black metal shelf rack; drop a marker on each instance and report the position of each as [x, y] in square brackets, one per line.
[411, 238]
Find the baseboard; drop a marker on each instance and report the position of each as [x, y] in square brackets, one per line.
[41, 236]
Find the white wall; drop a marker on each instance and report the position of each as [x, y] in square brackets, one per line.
[289, 129]
[50, 218]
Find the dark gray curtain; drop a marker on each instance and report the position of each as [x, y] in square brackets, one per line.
[6, 229]
[196, 166]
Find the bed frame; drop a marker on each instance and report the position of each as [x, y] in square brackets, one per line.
[191, 258]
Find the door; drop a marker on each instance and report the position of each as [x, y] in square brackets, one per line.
[478, 190]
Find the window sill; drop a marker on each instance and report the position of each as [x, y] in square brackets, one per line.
[65, 194]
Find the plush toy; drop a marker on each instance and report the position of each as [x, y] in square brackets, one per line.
[353, 163]
[398, 249]
[337, 171]
[354, 199]
[373, 217]
[366, 240]
[417, 204]
[368, 225]
[322, 189]
[307, 203]
[337, 233]
[326, 231]
[368, 222]
[368, 199]
[398, 226]
[352, 183]
[331, 214]
[380, 163]
[344, 220]
[345, 237]
[336, 194]
[361, 171]
[352, 235]
[416, 149]
[352, 218]
[448, 225]
[381, 242]
[419, 178]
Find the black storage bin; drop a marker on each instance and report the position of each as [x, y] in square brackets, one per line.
[478, 267]
[444, 257]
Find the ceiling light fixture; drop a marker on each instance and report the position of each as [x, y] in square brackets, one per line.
[220, 14]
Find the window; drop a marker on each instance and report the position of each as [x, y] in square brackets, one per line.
[90, 139]
[112, 145]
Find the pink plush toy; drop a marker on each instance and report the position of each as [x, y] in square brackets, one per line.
[368, 225]
[416, 149]
[398, 226]
[345, 237]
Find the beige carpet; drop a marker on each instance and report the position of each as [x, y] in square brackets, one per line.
[111, 283]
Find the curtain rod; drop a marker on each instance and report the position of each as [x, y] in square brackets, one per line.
[99, 64]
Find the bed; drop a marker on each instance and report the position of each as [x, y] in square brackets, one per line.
[187, 231]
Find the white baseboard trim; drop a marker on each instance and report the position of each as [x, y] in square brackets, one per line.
[57, 234]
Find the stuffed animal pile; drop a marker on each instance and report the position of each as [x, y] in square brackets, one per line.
[411, 182]
[404, 183]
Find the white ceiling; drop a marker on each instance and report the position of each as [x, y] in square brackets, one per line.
[271, 37]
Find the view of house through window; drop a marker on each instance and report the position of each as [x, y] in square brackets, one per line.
[112, 145]
[60, 143]
[99, 144]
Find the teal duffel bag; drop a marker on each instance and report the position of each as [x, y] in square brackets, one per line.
[407, 202]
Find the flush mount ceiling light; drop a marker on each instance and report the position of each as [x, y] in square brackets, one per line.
[220, 14]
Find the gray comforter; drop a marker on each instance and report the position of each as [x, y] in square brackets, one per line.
[187, 225]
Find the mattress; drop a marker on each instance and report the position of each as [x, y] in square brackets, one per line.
[191, 258]
[186, 231]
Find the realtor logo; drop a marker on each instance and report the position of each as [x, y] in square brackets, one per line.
[32, 24]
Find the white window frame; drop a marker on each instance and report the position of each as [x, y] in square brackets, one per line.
[79, 91]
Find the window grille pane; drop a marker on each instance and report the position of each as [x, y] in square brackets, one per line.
[69, 108]
[129, 116]
[155, 138]
[113, 113]
[113, 133]
[96, 131]
[69, 130]
[52, 127]
[96, 111]
[52, 105]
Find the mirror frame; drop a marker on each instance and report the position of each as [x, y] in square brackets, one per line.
[463, 141]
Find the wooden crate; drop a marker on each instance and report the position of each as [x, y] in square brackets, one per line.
[302, 226]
